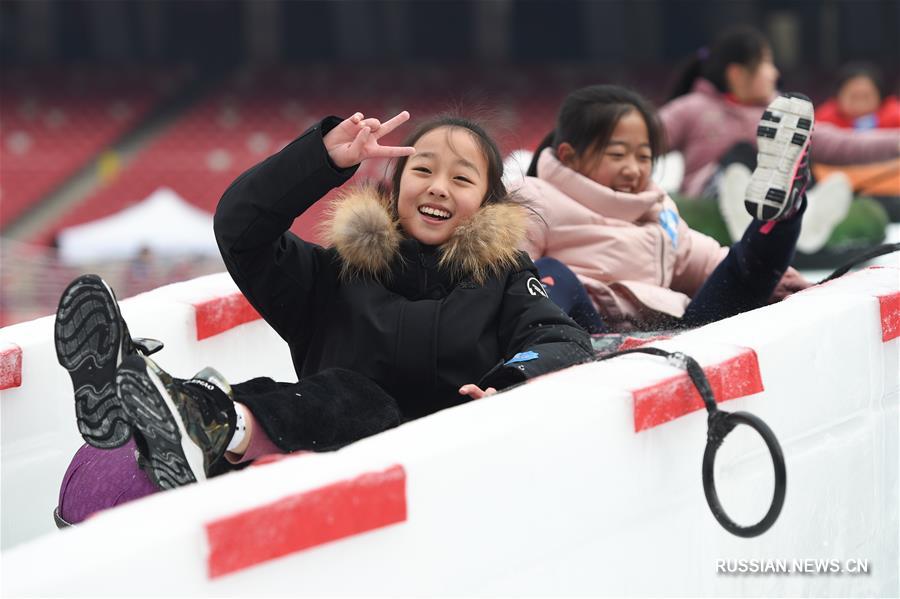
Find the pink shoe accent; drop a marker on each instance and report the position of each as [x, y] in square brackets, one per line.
[802, 162]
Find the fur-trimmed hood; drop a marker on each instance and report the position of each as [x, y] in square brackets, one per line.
[362, 228]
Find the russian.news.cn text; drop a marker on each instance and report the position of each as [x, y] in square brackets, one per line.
[788, 567]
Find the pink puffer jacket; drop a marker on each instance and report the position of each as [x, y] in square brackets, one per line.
[634, 254]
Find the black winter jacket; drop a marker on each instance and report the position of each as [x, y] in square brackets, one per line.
[413, 318]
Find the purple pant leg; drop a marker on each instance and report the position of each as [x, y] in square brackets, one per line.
[98, 479]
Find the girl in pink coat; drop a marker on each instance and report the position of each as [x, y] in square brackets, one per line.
[711, 118]
[718, 99]
[610, 245]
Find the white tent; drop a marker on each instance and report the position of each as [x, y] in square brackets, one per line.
[164, 223]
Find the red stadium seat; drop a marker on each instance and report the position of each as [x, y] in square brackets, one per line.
[254, 114]
[51, 125]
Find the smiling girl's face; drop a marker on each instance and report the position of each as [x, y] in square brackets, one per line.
[443, 184]
[626, 161]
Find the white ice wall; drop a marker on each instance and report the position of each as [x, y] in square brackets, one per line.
[37, 418]
[545, 490]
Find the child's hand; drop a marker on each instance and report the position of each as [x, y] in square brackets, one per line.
[790, 283]
[356, 139]
[475, 392]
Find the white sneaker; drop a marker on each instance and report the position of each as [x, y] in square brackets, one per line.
[827, 205]
[732, 191]
[782, 161]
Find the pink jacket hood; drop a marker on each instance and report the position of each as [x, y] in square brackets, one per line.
[629, 207]
[635, 255]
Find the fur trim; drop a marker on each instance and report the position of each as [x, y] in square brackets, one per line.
[367, 237]
[362, 231]
[487, 244]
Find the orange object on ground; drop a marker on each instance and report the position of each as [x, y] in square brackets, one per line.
[876, 179]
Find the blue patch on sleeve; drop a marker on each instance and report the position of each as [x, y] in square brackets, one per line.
[668, 220]
[523, 356]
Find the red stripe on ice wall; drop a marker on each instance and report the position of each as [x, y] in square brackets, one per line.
[10, 366]
[677, 396]
[223, 313]
[305, 520]
[890, 316]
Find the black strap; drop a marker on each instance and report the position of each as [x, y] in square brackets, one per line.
[719, 424]
[148, 347]
[881, 250]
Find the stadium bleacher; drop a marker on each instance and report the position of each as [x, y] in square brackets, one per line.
[54, 123]
[255, 113]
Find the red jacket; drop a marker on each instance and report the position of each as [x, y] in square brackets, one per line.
[886, 117]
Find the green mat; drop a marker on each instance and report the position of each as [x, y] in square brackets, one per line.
[863, 228]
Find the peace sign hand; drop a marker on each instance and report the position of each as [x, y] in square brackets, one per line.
[356, 139]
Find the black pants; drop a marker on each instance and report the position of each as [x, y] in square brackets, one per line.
[321, 412]
[743, 281]
[748, 275]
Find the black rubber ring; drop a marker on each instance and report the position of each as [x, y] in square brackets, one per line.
[709, 485]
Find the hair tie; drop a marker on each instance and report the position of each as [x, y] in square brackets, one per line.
[703, 53]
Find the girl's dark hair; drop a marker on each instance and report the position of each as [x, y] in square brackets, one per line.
[860, 69]
[742, 45]
[496, 189]
[588, 116]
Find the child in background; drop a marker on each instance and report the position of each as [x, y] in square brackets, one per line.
[711, 118]
[860, 101]
[421, 302]
[611, 246]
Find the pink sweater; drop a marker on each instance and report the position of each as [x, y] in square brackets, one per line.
[704, 124]
[635, 256]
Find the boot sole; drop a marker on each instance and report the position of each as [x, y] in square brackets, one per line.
[782, 136]
[172, 459]
[87, 335]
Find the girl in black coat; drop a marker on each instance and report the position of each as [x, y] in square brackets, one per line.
[420, 302]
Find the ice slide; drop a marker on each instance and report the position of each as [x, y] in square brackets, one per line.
[582, 482]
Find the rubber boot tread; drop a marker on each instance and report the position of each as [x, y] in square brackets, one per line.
[88, 333]
[166, 463]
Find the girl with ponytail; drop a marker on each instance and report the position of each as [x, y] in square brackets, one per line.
[610, 246]
[711, 118]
